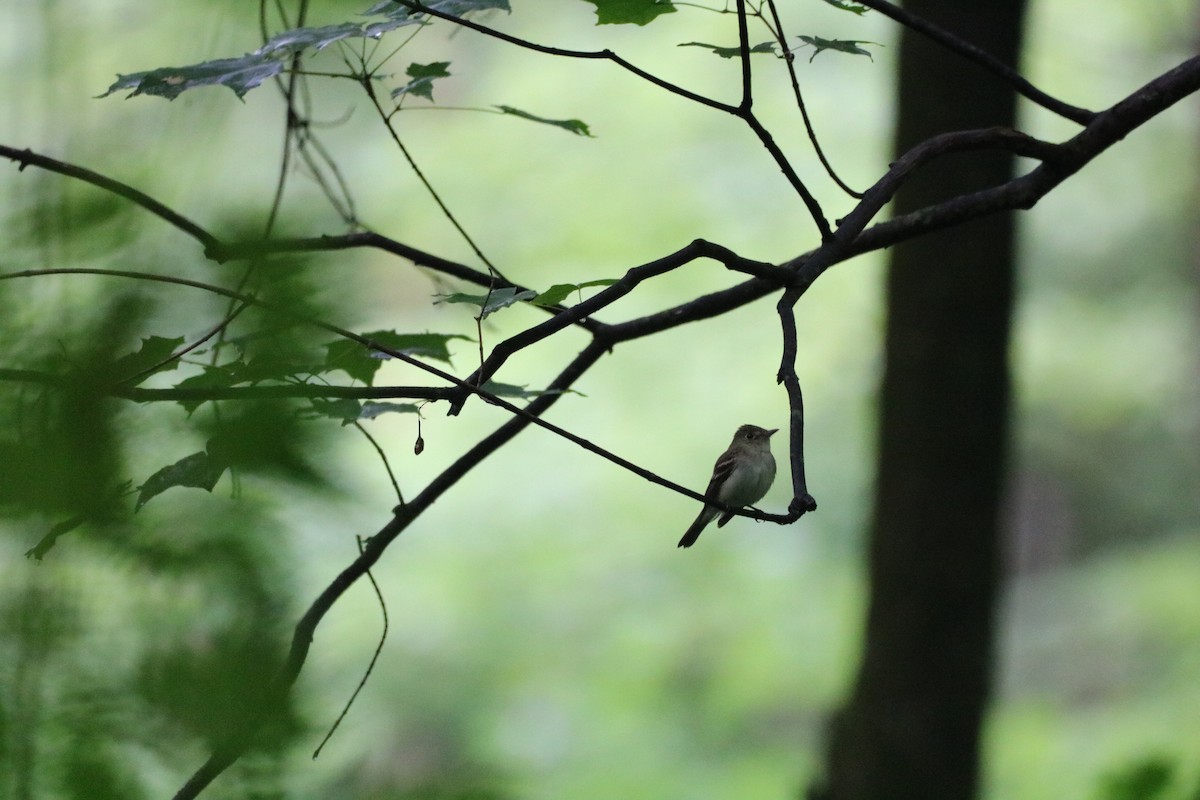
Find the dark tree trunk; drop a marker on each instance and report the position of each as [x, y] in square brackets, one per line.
[911, 728]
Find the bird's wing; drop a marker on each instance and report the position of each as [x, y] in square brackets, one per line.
[721, 472]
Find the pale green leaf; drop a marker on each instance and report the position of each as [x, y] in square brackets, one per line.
[733, 52]
[560, 291]
[577, 127]
[492, 301]
[423, 76]
[853, 8]
[636, 12]
[850, 46]
[239, 74]
[198, 470]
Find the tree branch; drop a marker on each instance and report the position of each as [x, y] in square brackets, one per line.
[288, 391]
[601, 55]
[630, 280]
[26, 157]
[981, 57]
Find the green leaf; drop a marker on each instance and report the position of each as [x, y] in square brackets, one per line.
[362, 364]
[560, 291]
[343, 409]
[733, 52]
[257, 370]
[263, 437]
[424, 345]
[249, 71]
[637, 12]
[353, 359]
[198, 470]
[154, 350]
[239, 74]
[297, 40]
[423, 76]
[455, 8]
[492, 301]
[850, 46]
[512, 390]
[371, 410]
[577, 127]
[210, 378]
[347, 410]
[851, 7]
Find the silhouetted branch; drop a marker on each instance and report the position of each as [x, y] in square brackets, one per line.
[26, 157]
[981, 57]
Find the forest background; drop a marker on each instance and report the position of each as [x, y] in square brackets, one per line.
[546, 639]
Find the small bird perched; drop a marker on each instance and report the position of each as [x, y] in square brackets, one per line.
[741, 477]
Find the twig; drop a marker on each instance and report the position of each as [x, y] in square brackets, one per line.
[386, 465]
[26, 157]
[981, 57]
[374, 656]
[790, 60]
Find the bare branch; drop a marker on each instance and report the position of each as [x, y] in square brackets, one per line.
[981, 57]
[26, 157]
[790, 61]
[601, 55]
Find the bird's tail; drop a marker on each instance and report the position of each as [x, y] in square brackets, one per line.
[693, 532]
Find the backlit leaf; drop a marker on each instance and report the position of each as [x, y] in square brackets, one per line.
[153, 351]
[371, 410]
[512, 390]
[733, 52]
[560, 291]
[239, 74]
[492, 301]
[361, 364]
[850, 46]
[343, 409]
[853, 8]
[423, 76]
[299, 39]
[575, 126]
[454, 8]
[636, 12]
[198, 470]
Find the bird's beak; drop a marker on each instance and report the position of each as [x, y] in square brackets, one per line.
[771, 432]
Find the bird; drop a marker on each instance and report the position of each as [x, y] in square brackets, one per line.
[741, 476]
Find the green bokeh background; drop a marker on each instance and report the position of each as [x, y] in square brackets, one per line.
[546, 638]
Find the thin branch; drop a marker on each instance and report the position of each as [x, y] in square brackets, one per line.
[981, 57]
[391, 475]
[602, 55]
[790, 60]
[26, 157]
[412, 164]
[374, 656]
[744, 56]
[582, 311]
[802, 501]
[745, 112]
[221, 326]
[289, 391]
[810, 201]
